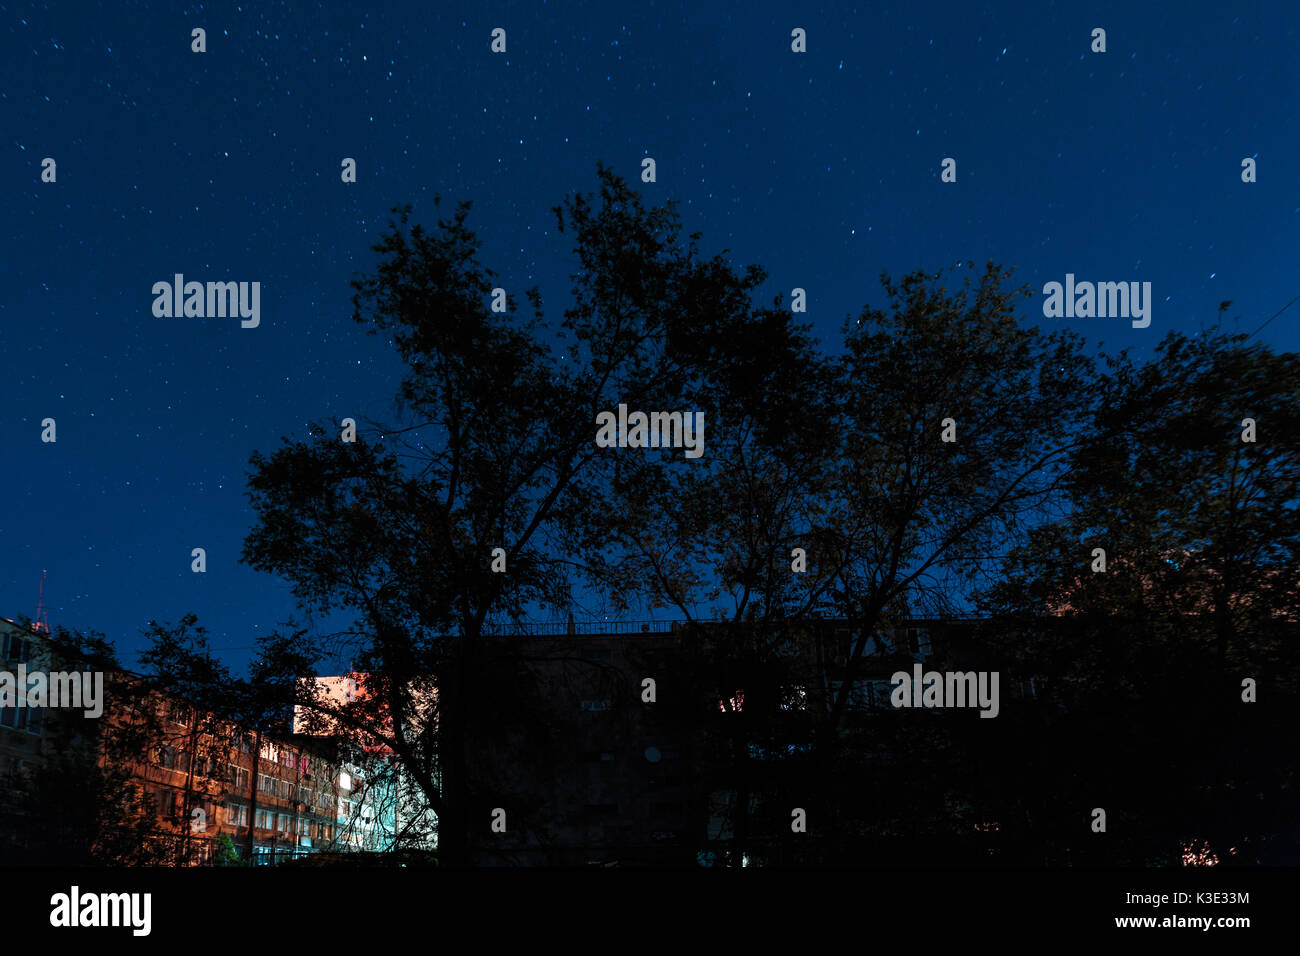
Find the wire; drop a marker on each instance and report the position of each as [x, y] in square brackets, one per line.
[1276, 314]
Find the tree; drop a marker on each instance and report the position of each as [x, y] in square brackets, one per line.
[198, 689]
[959, 423]
[729, 541]
[1146, 660]
[495, 450]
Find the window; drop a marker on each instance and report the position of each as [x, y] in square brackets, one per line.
[843, 645]
[16, 648]
[282, 822]
[8, 716]
[167, 757]
[239, 778]
[166, 803]
[30, 719]
[237, 814]
[733, 704]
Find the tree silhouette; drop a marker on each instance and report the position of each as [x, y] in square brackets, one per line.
[1144, 664]
[495, 450]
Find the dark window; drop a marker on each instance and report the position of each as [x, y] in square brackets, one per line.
[842, 645]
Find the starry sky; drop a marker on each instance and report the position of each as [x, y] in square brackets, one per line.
[823, 167]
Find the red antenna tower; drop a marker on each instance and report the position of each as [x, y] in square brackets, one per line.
[42, 622]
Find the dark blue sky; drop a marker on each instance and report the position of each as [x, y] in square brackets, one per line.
[823, 167]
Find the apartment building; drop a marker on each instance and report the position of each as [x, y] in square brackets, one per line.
[191, 787]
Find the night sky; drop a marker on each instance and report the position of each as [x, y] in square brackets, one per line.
[823, 167]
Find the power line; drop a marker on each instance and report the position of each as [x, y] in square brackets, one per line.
[1276, 314]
